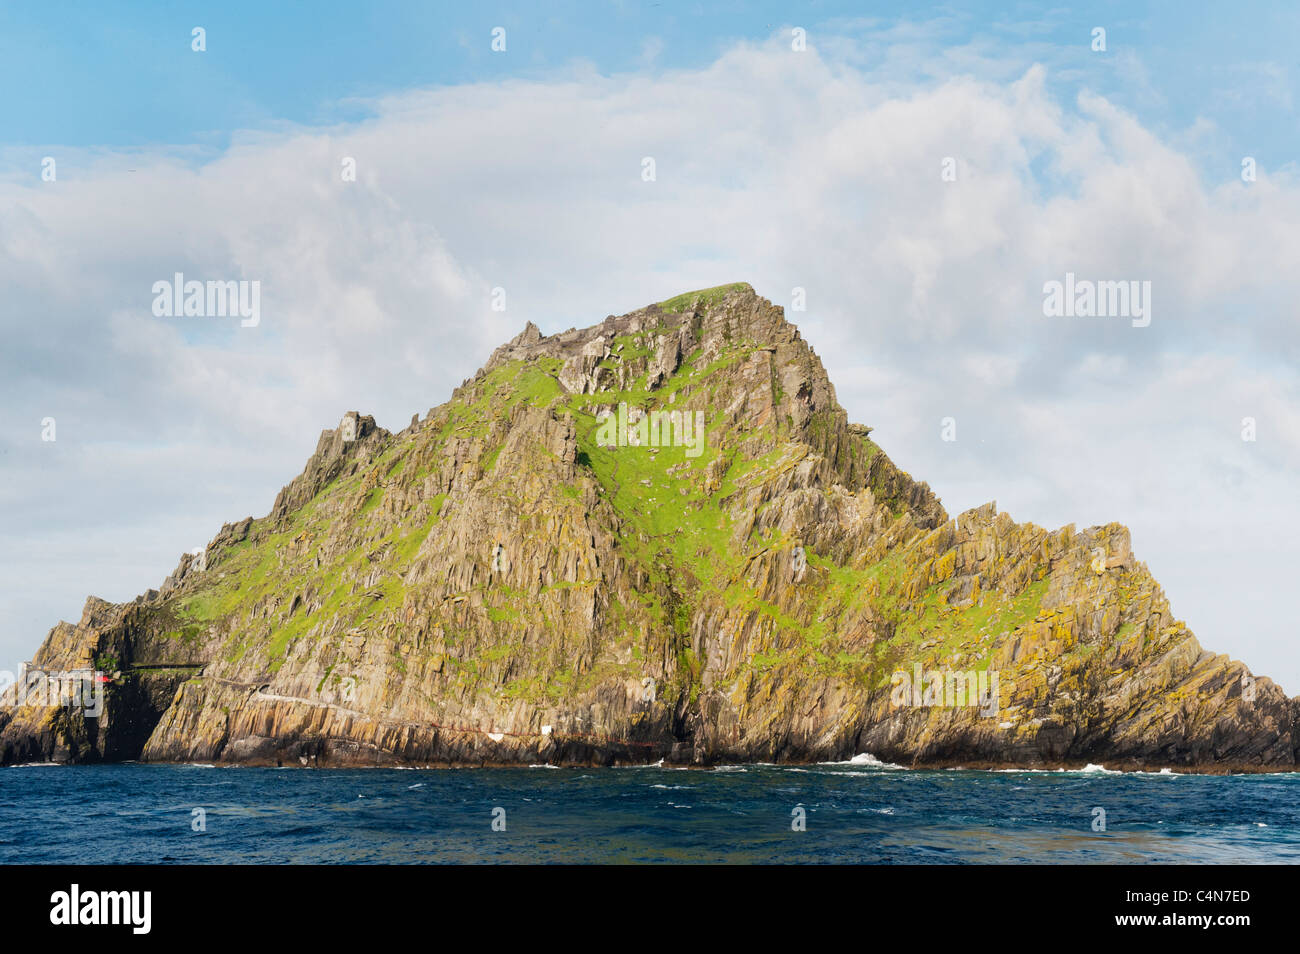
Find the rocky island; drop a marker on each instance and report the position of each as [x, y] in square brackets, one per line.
[657, 538]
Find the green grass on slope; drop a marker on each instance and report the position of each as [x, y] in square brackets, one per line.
[683, 539]
[679, 534]
[702, 298]
[332, 544]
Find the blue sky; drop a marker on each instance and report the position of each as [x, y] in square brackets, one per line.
[522, 170]
[123, 74]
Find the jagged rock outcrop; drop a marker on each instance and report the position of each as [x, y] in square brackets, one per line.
[558, 566]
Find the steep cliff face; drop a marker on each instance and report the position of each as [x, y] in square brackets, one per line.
[659, 537]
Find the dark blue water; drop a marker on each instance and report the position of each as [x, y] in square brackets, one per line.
[854, 813]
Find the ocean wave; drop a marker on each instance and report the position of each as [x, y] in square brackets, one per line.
[869, 760]
[1091, 768]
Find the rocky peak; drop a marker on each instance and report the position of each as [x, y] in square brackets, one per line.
[530, 335]
[339, 451]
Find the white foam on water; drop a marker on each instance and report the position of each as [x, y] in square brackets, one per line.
[1092, 769]
[867, 759]
[543, 765]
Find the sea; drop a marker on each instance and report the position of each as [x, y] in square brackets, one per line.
[856, 812]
